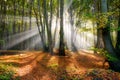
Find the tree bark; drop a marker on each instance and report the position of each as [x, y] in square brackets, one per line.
[100, 43]
[23, 10]
[14, 22]
[49, 36]
[118, 37]
[61, 45]
[114, 65]
[30, 13]
[42, 27]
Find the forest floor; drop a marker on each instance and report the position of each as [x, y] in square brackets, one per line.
[36, 65]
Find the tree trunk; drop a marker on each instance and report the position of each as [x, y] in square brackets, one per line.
[30, 13]
[56, 26]
[118, 37]
[49, 36]
[100, 43]
[14, 22]
[23, 7]
[115, 65]
[61, 45]
[42, 26]
[51, 17]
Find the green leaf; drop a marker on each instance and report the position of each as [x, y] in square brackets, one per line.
[111, 58]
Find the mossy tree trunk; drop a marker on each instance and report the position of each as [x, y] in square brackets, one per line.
[114, 65]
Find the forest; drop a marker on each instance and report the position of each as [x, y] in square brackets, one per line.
[59, 39]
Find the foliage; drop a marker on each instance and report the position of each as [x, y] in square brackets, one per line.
[103, 20]
[54, 67]
[104, 53]
[6, 75]
[114, 29]
[5, 72]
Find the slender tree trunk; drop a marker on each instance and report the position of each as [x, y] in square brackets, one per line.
[57, 18]
[2, 21]
[23, 7]
[51, 18]
[61, 45]
[73, 47]
[43, 39]
[30, 13]
[14, 22]
[19, 28]
[41, 26]
[49, 36]
[23, 12]
[100, 43]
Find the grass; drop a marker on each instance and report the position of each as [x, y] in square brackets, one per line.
[6, 75]
[105, 54]
[6, 72]
[53, 67]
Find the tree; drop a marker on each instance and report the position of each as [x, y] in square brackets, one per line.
[49, 34]
[61, 45]
[43, 24]
[99, 43]
[115, 65]
[30, 12]
[118, 36]
[14, 22]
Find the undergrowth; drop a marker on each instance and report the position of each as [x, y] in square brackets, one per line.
[104, 53]
[7, 72]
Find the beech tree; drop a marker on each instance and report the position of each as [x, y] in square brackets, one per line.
[62, 44]
[115, 65]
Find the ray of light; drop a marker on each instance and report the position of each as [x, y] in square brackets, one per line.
[17, 38]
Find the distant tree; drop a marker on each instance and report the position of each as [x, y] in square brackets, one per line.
[30, 12]
[23, 13]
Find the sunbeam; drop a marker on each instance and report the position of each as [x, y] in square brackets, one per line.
[74, 38]
[17, 38]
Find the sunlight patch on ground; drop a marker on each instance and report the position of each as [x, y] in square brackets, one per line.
[53, 59]
[46, 77]
[90, 54]
[24, 70]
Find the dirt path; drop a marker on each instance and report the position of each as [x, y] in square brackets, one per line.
[42, 66]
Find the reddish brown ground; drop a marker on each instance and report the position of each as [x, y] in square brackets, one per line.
[81, 65]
